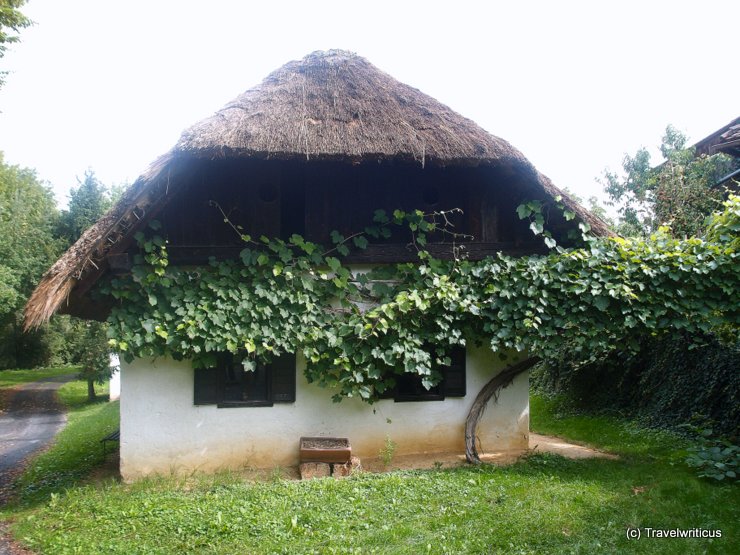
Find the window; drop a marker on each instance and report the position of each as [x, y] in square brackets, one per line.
[409, 387]
[229, 385]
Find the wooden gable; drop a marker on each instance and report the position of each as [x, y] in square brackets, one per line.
[280, 198]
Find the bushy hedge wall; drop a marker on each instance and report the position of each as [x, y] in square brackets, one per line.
[668, 381]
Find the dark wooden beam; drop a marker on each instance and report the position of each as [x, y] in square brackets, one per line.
[374, 254]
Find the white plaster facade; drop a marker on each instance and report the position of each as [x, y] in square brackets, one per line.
[114, 384]
[163, 432]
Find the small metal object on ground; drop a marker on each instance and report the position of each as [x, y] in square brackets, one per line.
[113, 436]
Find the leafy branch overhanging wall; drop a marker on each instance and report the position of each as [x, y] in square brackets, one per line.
[359, 330]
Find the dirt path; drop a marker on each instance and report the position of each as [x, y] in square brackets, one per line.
[31, 419]
[537, 444]
[551, 444]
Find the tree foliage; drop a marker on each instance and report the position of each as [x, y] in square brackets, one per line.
[27, 247]
[668, 380]
[358, 330]
[27, 217]
[680, 192]
[11, 23]
[32, 235]
[87, 203]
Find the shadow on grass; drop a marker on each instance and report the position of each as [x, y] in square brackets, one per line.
[621, 436]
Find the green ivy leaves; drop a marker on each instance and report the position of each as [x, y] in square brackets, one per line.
[356, 331]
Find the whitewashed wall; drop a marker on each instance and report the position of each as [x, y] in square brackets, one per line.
[114, 384]
[162, 432]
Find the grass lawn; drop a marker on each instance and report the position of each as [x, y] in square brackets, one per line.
[544, 504]
[10, 378]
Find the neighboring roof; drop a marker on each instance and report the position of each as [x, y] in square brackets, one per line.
[331, 105]
[726, 139]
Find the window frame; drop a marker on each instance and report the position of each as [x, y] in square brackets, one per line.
[209, 384]
[458, 356]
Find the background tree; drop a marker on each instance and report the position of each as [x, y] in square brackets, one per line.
[680, 192]
[32, 235]
[94, 354]
[11, 22]
[594, 206]
[28, 217]
[87, 203]
[671, 377]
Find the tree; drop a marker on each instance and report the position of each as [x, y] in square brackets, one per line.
[28, 217]
[32, 235]
[94, 354]
[88, 202]
[11, 22]
[680, 192]
[594, 206]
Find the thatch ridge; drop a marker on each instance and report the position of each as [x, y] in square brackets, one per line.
[337, 105]
[331, 105]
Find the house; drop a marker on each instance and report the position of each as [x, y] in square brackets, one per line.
[317, 146]
[725, 140]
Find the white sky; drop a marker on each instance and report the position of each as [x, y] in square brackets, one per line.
[574, 85]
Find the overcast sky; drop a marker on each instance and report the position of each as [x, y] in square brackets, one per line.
[574, 85]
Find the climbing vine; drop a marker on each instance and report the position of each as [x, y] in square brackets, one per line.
[358, 329]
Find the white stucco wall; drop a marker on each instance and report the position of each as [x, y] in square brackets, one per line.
[114, 384]
[162, 432]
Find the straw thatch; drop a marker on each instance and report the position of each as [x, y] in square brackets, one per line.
[336, 105]
[331, 105]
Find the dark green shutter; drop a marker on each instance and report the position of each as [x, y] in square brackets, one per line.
[389, 392]
[207, 389]
[454, 374]
[283, 378]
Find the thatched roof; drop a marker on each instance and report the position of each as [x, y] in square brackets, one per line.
[336, 105]
[331, 105]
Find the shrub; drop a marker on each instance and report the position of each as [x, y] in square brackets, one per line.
[713, 457]
[670, 379]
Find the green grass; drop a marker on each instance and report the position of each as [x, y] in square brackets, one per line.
[10, 378]
[543, 504]
[75, 451]
[611, 433]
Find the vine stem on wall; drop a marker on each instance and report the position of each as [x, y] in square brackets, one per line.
[491, 389]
